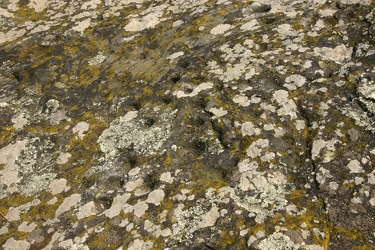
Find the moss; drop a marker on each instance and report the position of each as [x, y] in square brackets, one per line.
[366, 246]
[16, 200]
[6, 135]
[228, 239]
[168, 160]
[209, 181]
[313, 212]
[102, 240]
[43, 211]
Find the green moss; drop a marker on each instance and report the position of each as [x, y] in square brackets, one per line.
[25, 14]
[6, 135]
[228, 239]
[16, 200]
[352, 235]
[44, 211]
[366, 246]
[213, 180]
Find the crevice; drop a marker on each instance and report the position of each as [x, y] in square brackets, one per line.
[209, 247]
[220, 134]
[362, 105]
[308, 152]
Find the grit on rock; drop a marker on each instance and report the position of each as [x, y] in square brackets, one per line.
[187, 124]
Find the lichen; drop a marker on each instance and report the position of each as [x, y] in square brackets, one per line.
[131, 132]
[186, 124]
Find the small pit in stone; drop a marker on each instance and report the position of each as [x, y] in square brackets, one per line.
[136, 104]
[167, 99]
[149, 121]
[199, 145]
[264, 8]
[184, 64]
[175, 77]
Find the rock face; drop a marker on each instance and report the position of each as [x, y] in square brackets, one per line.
[187, 124]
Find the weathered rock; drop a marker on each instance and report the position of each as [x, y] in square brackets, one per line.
[187, 124]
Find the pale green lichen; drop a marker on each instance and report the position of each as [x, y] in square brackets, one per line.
[132, 132]
[277, 241]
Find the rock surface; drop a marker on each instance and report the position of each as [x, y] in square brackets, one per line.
[195, 124]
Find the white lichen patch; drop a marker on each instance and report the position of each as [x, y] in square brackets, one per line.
[38, 5]
[259, 193]
[20, 121]
[258, 189]
[87, 210]
[196, 90]
[80, 129]
[126, 132]
[139, 209]
[251, 25]
[92, 4]
[248, 128]
[11, 35]
[118, 204]
[63, 158]
[67, 204]
[287, 106]
[52, 105]
[156, 230]
[238, 62]
[277, 241]
[218, 112]
[12, 244]
[371, 177]
[140, 244]
[145, 22]
[338, 54]
[58, 186]
[4, 230]
[134, 184]
[166, 177]
[242, 100]
[175, 55]
[364, 2]
[8, 157]
[98, 59]
[155, 197]
[81, 26]
[52, 201]
[286, 30]
[322, 175]
[36, 169]
[294, 81]
[355, 167]
[333, 185]
[13, 214]
[256, 148]
[324, 148]
[220, 29]
[58, 116]
[187, 222]
[27, 227]
[209, 219]
[300, 125]
[25, 171]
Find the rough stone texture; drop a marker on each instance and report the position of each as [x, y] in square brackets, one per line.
[195, 124]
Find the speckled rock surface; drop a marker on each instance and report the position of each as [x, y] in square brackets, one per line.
[195, 124]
